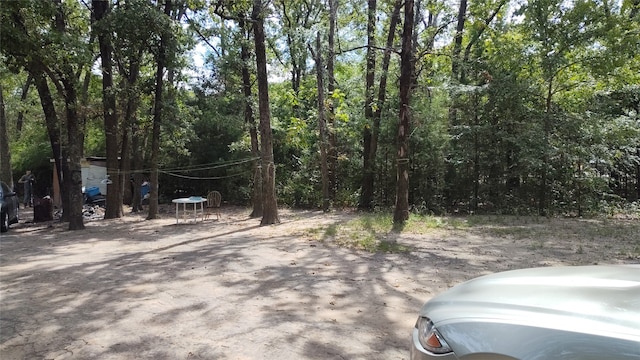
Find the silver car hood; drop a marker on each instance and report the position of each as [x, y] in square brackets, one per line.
[591, 299]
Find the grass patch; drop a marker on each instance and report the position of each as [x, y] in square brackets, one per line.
[375, 232]
[420, 224]
[632, 252]
[537, 245]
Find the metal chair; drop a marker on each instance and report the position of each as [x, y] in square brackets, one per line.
[213, 204]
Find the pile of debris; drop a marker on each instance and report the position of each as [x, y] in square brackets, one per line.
[92, 212]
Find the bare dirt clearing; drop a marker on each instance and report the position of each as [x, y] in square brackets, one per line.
[230, 289]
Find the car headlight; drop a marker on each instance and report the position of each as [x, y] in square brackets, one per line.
[430, 338]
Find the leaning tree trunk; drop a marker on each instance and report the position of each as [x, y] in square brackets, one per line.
[269, 203]
[369, 181]
[401, 213]
[53, 129]
[23, 98]
[382, 88]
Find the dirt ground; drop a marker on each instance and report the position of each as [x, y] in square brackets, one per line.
[230, 289]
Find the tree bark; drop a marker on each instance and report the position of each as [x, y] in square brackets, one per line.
[131, 163]
[66, 81]
[256, 196]
[157, 120]
[123, 179]
[23, 98]
[5, 152]
[382, 88]
[638, 176]
[451, 175]
[75, 143]
[368, 183]
[53, 130]
[322, 127]
[544, 176]
[366, 197]
[401, 213]
[332, 152]
[457, 42]
[269, 201]
[72, 179]
[101, 9]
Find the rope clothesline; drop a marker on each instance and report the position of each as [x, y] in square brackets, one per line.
[200, 167]
[203, 178]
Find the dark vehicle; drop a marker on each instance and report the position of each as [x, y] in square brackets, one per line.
[8, 207]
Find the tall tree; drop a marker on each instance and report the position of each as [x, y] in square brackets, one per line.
[269, 202]
[158, 108]
[401, 212]
[322, 125]
[5, 152]
[23, 97]
[559, 33]
[452, 169]
[132, 42]
[75, 128]
[332, 155]
[366, 197]
[368, 177]
[249, 119]
[45, 42]
[101, 9]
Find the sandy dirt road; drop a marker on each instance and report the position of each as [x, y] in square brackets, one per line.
[230, 289]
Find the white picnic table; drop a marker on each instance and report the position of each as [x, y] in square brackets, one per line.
[195, 200]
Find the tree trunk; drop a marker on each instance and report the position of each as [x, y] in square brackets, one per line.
[256, 197]
[369, 181]
[128, 149]
[366, 197]
[476, 156]
[75, 142]
[457, 42]
[544, 177]
[157, 120]
[66, 82]
[5, 152]
[638, 176]
[53, 130]
[72, 178]
[332, 152]
[131, 163]
[124, 178]
[269, 200]
[451, 176]
[322, 127]
[401, 213]
[138, 177]
[101, 9]
[23, 98]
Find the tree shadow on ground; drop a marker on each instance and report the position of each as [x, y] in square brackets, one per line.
[156, 290]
